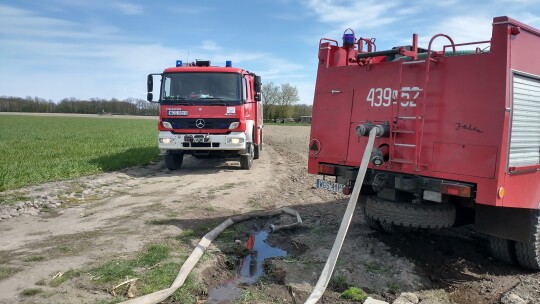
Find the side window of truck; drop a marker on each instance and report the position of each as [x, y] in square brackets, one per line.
[166, 88]
[245, 90]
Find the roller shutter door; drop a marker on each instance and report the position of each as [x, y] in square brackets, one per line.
[525, 132]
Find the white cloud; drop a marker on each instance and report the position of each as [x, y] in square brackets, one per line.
[70, 58]
[210, 45]
[459, 29]
[129, 8]
[355, 14]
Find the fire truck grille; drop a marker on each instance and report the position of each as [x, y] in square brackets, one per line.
[200, 123]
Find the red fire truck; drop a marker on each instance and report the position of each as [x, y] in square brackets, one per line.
[209, 111]
[458, 133]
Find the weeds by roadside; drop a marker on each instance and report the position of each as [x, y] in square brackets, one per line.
[152, 269]
[6, 272]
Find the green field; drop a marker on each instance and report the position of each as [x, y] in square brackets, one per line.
[35, 149]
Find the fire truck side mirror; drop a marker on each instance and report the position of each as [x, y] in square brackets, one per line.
[257, 96]
[150, 96]
[150, 83]
[258, 84]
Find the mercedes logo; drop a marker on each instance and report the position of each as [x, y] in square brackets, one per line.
[199, 123]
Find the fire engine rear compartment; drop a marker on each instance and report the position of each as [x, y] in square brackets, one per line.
[469, 119]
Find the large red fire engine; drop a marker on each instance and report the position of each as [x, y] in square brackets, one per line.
[209, 111]
[458, 133]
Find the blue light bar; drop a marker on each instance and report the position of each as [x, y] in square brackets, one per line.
[228, 63]
[178, 63]
[348, 40]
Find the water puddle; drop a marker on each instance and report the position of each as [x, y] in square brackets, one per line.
[251, 269]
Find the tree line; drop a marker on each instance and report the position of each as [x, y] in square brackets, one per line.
[129, 106]
[279, 104]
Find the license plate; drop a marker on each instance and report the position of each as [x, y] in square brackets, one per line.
[330, 186]
[177, 113]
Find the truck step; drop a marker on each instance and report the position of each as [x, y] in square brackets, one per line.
[405, 145]
[404, 131]
[408, 117]
[412, 62]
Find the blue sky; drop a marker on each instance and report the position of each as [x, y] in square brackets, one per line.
[78, 48]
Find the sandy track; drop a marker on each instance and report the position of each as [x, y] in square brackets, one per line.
[110, 215]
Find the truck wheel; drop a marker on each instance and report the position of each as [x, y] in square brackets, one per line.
[361, 203]
[502, 249]
[528, 253]
[410, 215]
[173, 161]
[256, 152]
[258, 148]
[373, 224]
[246, 160]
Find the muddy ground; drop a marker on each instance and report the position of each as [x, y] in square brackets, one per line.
[115, 216]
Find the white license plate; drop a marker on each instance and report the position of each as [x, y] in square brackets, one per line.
[177, 113]
[330, 186]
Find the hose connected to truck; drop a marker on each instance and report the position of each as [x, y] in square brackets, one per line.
[328, 269]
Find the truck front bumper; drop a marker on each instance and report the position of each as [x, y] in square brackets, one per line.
[231, 142]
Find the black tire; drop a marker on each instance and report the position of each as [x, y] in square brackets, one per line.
[246, 160]
[256, 152]
[258, 148]
[391, 228]
[528, 253]
[411, 215]
[173, 161]
[373, 224]
[502, 249]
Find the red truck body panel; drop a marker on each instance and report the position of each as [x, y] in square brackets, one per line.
[466, 105]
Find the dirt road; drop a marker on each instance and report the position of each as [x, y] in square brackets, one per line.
[56, 256]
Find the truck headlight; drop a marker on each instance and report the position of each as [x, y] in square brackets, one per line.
[235, 140]
[166, 124]
[234, 125]
[166, 140]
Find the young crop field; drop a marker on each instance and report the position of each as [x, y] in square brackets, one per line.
[37, 149]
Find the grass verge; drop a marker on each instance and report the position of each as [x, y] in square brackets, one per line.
[31, 292]
[6, 272]
[37, 149]
[156, 269]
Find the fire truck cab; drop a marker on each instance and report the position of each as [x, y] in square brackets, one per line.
[208, 111]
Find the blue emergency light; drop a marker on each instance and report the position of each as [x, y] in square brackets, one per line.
[178, 63]
[228, 63]
[348, 39]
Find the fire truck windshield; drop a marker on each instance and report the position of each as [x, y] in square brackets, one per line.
[201, 88]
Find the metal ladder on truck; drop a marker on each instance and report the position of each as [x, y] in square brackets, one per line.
[418, 118]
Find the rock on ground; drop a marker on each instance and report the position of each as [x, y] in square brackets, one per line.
[511, 298]
[371, 300]
[406, 298]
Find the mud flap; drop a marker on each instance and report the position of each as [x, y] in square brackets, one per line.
[507, 223]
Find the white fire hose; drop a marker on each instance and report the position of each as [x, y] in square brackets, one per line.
[326, 274]
[196, 254]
